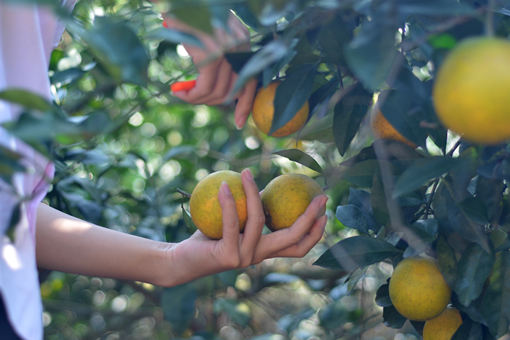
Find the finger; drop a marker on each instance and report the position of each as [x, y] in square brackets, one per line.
[256, 218]
[245, 103]
[230, 239]
[302, 248]
[221, 87]
[205, 83]
[284, 238]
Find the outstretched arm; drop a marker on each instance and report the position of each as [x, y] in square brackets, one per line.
[69, 244]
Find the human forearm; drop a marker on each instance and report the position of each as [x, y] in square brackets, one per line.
[71, 245]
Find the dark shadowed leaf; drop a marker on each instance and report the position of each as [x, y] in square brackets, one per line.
[355, 217]
[446, 261]
[356, 252]
[392, 318]
[473, 269]
[292, 94]
[238, 59]
[421, 171]
[262, 59]
[495, 303]
[372, 53]
[178, 305]
[349, 113]
[300, 157]
[382, 297]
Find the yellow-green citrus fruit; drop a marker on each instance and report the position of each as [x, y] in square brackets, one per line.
[443, 326]
[384, 130]
[418, 290]
[471, 91]
[286, 198]
[205, 208]
[263, 112]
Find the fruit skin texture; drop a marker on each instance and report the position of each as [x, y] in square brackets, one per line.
[384, 130]
[443, 326]
[471, 90]
[418, 290]
[286, 198]
[263, 112]
[205, 208]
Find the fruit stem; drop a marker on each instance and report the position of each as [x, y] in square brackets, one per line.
[489, 19]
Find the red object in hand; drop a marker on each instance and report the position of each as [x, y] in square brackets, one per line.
[183, 85]
[165, 25]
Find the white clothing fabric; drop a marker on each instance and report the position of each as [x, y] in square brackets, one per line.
[28, 34]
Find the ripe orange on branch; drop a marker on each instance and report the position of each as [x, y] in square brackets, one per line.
[471, 91]
[205, 208]
[263, 112]
[443, 326]
[418, 290]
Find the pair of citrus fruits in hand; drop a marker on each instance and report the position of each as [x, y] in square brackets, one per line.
[284, 199]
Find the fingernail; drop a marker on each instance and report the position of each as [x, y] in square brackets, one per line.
[322, 200]
[224, 189]
[247, 173]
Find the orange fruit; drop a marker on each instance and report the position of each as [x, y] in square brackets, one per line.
[286, 198]
[205, 208]
[443, 326]
[418, 290]
[384, 130]
[471, 90]
[263, 112]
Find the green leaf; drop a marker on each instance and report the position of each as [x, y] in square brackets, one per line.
[68, 76]
[362, 173]
[300, 157]
[292, 94]
[174, 36]
[446, 261]
[262, 59]
[408, 108]
[356, 252]
[452, 219]
[195, 14]
[354, 217]
[470, 330]
[117, 46]
[187, 218]
[372, 52]
[382, 297]
[421, 171]
[474, 268]
[26, 99]
[178, 305]
[495, 303]
[392, 318]
[349, 113]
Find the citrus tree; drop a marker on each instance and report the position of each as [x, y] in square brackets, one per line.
[406, 133]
